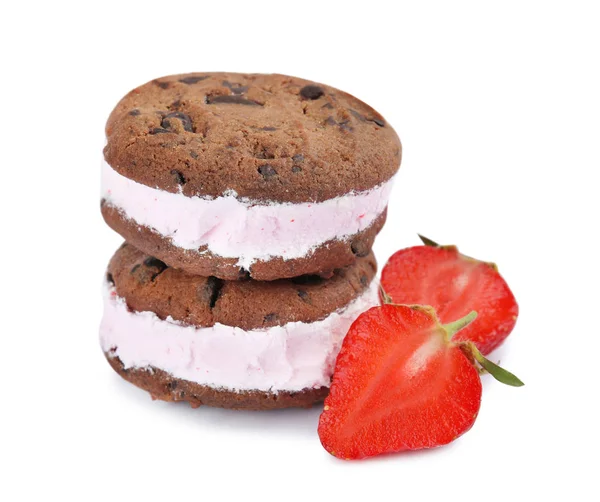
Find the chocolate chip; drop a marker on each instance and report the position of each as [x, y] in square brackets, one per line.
[145, 274]
[158, 130]
[231, 99]
[210, 291]
[359, 248]
[296, 169]
[364, 280]
[304, 296]
[311, 92]
[330, 121]
[175, 104]
[298, 158]
[271, 317]
[345, 127]
[155, 262]
[193, 154]
[141, 274]
[172, 385]
[268, 128]
[135, 112]
[186, 121]
[307, 280]
[162, 85]
[267, 171]
[110, 279]
[328, 106]
[182, 394]
[192, 80]
[235, 88]
[362, 118]
[179, 178]
[357, 115]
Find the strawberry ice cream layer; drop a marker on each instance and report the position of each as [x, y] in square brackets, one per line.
[249, 230]
[291, 357]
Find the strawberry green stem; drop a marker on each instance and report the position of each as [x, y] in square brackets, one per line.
[499, 373]
[385, 298]
[453, 327]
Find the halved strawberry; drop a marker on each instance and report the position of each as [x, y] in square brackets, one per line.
[402, 383]
[453, 284]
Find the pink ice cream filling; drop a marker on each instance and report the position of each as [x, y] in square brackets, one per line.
[291, 357]
[232, 227]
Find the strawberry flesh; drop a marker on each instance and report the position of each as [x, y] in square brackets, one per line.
[454, 285]
[399, 384]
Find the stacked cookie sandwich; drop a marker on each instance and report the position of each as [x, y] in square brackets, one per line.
[249, 205]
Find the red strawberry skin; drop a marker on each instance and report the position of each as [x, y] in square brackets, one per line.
[454, 285]
[398, 385]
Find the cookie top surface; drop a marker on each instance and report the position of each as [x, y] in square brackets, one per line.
[147, 284]
[265, 137]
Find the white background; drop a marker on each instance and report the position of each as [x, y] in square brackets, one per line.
[498, 108]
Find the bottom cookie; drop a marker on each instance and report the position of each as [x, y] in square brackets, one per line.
[161, 385]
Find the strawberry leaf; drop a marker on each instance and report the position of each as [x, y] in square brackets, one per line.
[499, 373]
[428, 242]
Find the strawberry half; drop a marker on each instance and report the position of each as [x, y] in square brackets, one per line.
[402, 383]
[453, 284]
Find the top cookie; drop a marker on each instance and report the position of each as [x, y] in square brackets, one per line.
[265, 137]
